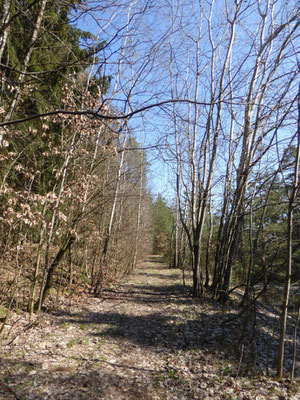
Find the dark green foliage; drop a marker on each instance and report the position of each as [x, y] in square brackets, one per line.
[163, 224]
[57, 61]
[269, 227]
[44, 67]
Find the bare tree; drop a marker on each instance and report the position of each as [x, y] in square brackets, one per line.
[197, 146]
[288, 270]
[258, 125]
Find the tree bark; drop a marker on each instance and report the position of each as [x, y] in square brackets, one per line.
[289, 261]
[36, 31]
[49, 282]
[4, 26]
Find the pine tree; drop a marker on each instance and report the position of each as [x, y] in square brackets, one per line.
[163, 224]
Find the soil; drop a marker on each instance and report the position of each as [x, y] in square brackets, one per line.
[146, 338]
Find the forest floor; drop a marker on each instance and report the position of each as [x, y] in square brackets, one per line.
[143, 339]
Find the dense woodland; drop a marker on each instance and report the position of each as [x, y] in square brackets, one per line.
[91, 91]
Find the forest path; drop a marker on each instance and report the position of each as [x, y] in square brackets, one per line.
[146, 339]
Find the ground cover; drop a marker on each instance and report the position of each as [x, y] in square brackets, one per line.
[146, 338]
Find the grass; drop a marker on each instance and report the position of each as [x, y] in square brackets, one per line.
[64, 325]
[3, 312]
[83, 327]
[79, 341]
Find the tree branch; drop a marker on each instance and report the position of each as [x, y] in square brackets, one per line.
[95, 114]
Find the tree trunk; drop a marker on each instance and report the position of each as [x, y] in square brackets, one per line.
[197, 275]
[27, 58]
[138, 222]
[3, 39]
[209, 242]
[288, 270]
[4, 26]
[49, 282]
[108, 234]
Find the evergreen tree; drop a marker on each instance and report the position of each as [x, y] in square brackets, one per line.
[163, 224]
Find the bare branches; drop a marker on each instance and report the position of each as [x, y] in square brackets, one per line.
[98, 115]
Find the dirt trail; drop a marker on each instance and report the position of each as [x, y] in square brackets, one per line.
[146, 339]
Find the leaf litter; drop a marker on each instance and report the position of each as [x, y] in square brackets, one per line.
[144, 339]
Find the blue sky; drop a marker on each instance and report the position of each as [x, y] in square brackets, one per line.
[145, 68]
[148, 132]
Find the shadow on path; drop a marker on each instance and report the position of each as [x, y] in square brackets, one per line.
[163, 316]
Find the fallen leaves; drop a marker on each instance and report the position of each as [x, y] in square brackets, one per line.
[139, 342]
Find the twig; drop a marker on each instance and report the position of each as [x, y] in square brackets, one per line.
[240, 360]
[7, 388]
[29, 326]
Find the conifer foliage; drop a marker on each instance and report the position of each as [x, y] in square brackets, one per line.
[215, 84]
[163, 224]
[62, 177]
